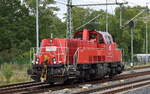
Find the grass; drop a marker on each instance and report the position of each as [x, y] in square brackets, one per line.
[7, 71]
[13, 73]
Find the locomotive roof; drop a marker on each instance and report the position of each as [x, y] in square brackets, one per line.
[100, 32]
[103, 33]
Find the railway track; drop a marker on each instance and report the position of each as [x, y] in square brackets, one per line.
[113, 89]
[38, 87]
[127, 86]
[24, 88]
[107, 88]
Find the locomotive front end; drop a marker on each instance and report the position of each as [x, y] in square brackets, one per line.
[49, 61]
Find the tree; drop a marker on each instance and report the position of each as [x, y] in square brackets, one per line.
[14, 21]
[139, 30]
[18, 31]
[82, 16]
[48, 21]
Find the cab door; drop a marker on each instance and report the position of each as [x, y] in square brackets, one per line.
[109, 48]
[101, 44]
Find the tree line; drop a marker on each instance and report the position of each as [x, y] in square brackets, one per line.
[18, 26]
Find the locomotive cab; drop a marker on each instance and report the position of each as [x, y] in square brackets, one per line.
[94, 36]
[86, 35]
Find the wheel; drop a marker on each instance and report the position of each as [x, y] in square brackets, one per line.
[111, 76]
[70, 81]
[36, 78]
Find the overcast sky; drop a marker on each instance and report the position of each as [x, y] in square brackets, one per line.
[110, 8]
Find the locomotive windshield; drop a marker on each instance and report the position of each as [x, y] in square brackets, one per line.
[101, 39]
[108, 39]
[94, 36]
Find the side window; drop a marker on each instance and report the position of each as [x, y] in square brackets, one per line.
[79, 36]
[92, 36]
[108, 39]
[101, 39]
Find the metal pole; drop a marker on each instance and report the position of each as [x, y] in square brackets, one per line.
[132, 45]
[106, 17]
[51, 35]
[37, 26]
[146, 40]
[146, 30]
[120, 16]
[69, 19]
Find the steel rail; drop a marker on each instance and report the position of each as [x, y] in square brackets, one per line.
[128, 86]
[102, 90]
[4, 86]
[119, 77]
[25, 88]
[21, 87]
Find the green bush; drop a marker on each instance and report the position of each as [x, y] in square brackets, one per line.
[7, 71]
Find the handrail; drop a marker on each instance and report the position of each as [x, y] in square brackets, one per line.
[75, 63]
[32, 55]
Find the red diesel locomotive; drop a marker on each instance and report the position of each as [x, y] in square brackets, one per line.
[88, 55]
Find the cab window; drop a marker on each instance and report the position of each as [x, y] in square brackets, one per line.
[78, 36]
[108, 39]
[92, 36]
[101, 39]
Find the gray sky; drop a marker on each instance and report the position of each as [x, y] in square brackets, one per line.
[110, 8]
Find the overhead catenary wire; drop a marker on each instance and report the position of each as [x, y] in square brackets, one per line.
[63, 3]
[132, 3]
[116, 3]
[99, 4]
[127, 22]
[88, 22]
[70, 5]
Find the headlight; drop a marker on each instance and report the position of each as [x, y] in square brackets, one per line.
[37, 61]
[54, 60]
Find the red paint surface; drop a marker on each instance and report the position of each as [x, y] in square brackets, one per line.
[83, 48]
